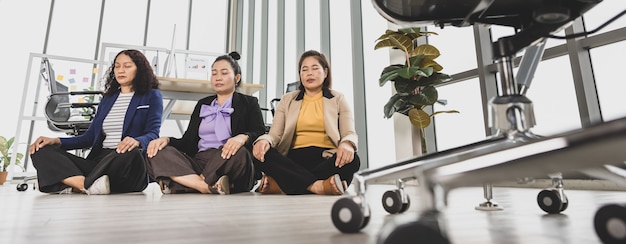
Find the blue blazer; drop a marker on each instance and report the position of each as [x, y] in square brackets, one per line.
[141, 122]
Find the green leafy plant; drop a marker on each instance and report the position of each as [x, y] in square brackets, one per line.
[5, 146]
[88, 112]
[415, 80]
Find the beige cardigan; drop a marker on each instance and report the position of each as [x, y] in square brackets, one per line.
[338, 122]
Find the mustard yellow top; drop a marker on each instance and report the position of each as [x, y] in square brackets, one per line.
[310, 126]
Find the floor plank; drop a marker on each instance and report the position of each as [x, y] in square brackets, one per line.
[149, 217]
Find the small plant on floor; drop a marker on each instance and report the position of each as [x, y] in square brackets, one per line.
[5, 147]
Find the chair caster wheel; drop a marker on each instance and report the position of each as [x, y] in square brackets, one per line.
[22, 187]
[610, 223]
[550, 202]
[348, 215]
[425, 230]
[392, 202]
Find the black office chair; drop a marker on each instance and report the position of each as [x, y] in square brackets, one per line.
[274, 102]
[72, 118]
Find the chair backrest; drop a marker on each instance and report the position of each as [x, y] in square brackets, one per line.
[53, 111]
[63, 115]
[292, 86]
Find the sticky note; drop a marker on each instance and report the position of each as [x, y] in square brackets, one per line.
[72, 71]
[72, 81]
[95, 70]
[59, 77]
[85, 79]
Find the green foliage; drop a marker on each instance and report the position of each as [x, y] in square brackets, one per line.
[415, 80]
[88, 113]
[5, 158]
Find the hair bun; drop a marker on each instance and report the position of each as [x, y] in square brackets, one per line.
[235, 55]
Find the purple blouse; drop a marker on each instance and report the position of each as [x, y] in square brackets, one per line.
[214, 128]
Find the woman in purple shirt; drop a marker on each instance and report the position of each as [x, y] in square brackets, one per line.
[213, 156]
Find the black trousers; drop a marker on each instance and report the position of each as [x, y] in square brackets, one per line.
[302, 167]
[172, 162]
[126, 171]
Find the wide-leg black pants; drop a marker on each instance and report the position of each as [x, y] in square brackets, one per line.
[302, 167]
[172, 162]
[127, 171]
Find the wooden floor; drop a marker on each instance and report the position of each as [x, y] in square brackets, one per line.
[151, 217]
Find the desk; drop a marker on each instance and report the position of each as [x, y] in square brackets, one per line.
[183, 94]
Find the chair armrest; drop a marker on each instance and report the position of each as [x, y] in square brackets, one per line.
[73, 93]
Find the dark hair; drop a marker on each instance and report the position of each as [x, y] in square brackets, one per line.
[144, 79]
[232, 58]
[328, 81]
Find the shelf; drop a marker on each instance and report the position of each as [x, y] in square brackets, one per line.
[186, 92]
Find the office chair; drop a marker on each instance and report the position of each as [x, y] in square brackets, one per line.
[514, 151]
[71, 118]
[274, 102]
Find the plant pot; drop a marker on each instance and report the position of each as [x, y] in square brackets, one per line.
[3, 177]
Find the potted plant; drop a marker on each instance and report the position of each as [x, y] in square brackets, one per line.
[5, 158]
[415, 80]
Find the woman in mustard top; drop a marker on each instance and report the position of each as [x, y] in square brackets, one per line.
[311, 146]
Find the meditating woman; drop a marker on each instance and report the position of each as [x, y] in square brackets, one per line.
[213, 156]
[127, 119]
[311, 146]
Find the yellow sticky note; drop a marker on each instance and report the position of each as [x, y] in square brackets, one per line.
[73, 88]
[95, 70]
[81, 99]
[59, 77]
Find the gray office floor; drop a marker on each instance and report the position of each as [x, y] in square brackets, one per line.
[151, 217]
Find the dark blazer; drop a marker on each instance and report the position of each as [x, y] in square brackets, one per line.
[141, 122]
[245, 119]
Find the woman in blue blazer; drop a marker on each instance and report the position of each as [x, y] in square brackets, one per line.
[127, 119]
[213, 156]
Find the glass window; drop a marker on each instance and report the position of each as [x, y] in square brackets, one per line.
[167, 27]
[26, 37]
[458, 129]
[602, 12]
[456, 46]
[380, 131]
[74, 29]
[291, 57]
[554, 98]
[341, 49]
[124, 22]
[312, 25]
[209, 26]
[609, 82]
[256, 38]
[245, 39]
[165, 18]
[270, 80]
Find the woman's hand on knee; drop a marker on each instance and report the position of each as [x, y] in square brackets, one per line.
[345, 154]
[259, 149]
[42, 141]
[233, 144]
[157, 145]
[127, 144]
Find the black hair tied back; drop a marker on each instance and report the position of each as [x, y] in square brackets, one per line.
[234, 55]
